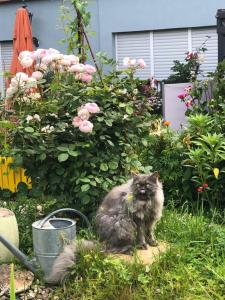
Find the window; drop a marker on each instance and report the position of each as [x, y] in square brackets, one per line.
[160, 48]
[6, 50]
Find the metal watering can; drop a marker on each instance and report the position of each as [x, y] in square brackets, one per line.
[49, 237]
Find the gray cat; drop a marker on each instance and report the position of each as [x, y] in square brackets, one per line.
[129, 212]
[126, 218]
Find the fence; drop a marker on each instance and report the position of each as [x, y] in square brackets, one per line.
[10, 178]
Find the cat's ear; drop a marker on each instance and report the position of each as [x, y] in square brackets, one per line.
[134, 175]
[154, 177]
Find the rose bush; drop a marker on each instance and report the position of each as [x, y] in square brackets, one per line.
[79, 136]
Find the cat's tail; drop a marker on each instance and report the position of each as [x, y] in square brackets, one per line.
[67, 258]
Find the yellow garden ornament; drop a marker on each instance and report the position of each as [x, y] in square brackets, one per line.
[216, 172]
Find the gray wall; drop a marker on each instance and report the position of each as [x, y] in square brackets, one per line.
[138, 15]
[111, 16]
[46, 24]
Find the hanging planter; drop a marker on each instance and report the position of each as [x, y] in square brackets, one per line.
[9, 230]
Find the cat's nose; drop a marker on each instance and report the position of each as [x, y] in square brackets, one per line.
[142, 191]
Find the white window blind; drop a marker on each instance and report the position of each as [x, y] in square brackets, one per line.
[199, 35]
[6, 50]
[160, 48]
[134, 45]
[169, 45]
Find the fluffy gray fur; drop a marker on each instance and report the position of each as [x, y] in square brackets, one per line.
[67, 258]
[129, 212]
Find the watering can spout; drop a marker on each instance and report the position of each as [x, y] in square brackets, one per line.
[20, 255]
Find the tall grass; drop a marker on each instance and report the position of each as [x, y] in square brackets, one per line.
[193, 267]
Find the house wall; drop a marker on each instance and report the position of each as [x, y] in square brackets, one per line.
[111, 16]
[46, 24]
[132, 15]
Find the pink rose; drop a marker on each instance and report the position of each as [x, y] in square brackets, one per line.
[65, 62]
[77, 68]
[90, 69]
[37, 75]
[76, 121]
[86, 77]
[46, 59]
[83, 114]
[21, 76]
[10, 92]
[92, 108]
[126, 61]
[86, 126]
[141, 63]
[74, 59]
[41, 53]
[26, 62]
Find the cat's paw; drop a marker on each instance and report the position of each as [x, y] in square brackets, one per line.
[142, 246]
[152, 243]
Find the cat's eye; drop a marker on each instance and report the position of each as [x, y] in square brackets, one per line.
[138, 185]
[148, 185]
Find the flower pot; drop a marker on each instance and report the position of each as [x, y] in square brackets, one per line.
[9, 230]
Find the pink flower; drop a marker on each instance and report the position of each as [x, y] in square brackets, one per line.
[77, 68]
[188, 89]
[141, 63]
[182, 96]
[90, 69]
[76, 121]
[21, 76]
[189, 103]
[86, 77]
[41, 53]
[46, 59]
[37, 75]
[126, 61]
[10, 92]
[65, 62]
[92, 108]
[24, 54]
[26, 62]
[73, 59]
[83, 114]
[86, 126]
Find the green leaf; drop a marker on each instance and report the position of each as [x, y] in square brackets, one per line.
[108, 122]
[42, 156]
[64, 149]
[73, 153]
[129, 110]
[85, 187]
[113, 165]
[144, 142]
[29, 129]
[63, 157]
[103, 167]
[85, 179]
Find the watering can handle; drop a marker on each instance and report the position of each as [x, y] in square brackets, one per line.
[42, 222]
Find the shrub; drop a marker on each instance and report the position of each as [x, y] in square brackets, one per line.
[68, 151]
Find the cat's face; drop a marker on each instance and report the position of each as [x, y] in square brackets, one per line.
[145, 186]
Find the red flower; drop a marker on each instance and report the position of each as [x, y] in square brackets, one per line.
[182, 96]
[200, 189]
[205, 185]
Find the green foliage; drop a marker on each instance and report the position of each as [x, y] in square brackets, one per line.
[74, 25]
[77, 167]
[196, 273]
[188, 70]
[12, 283]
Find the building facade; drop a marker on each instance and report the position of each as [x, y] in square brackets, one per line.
[158, 31]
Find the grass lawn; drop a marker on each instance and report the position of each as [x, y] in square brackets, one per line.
[193, 268]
